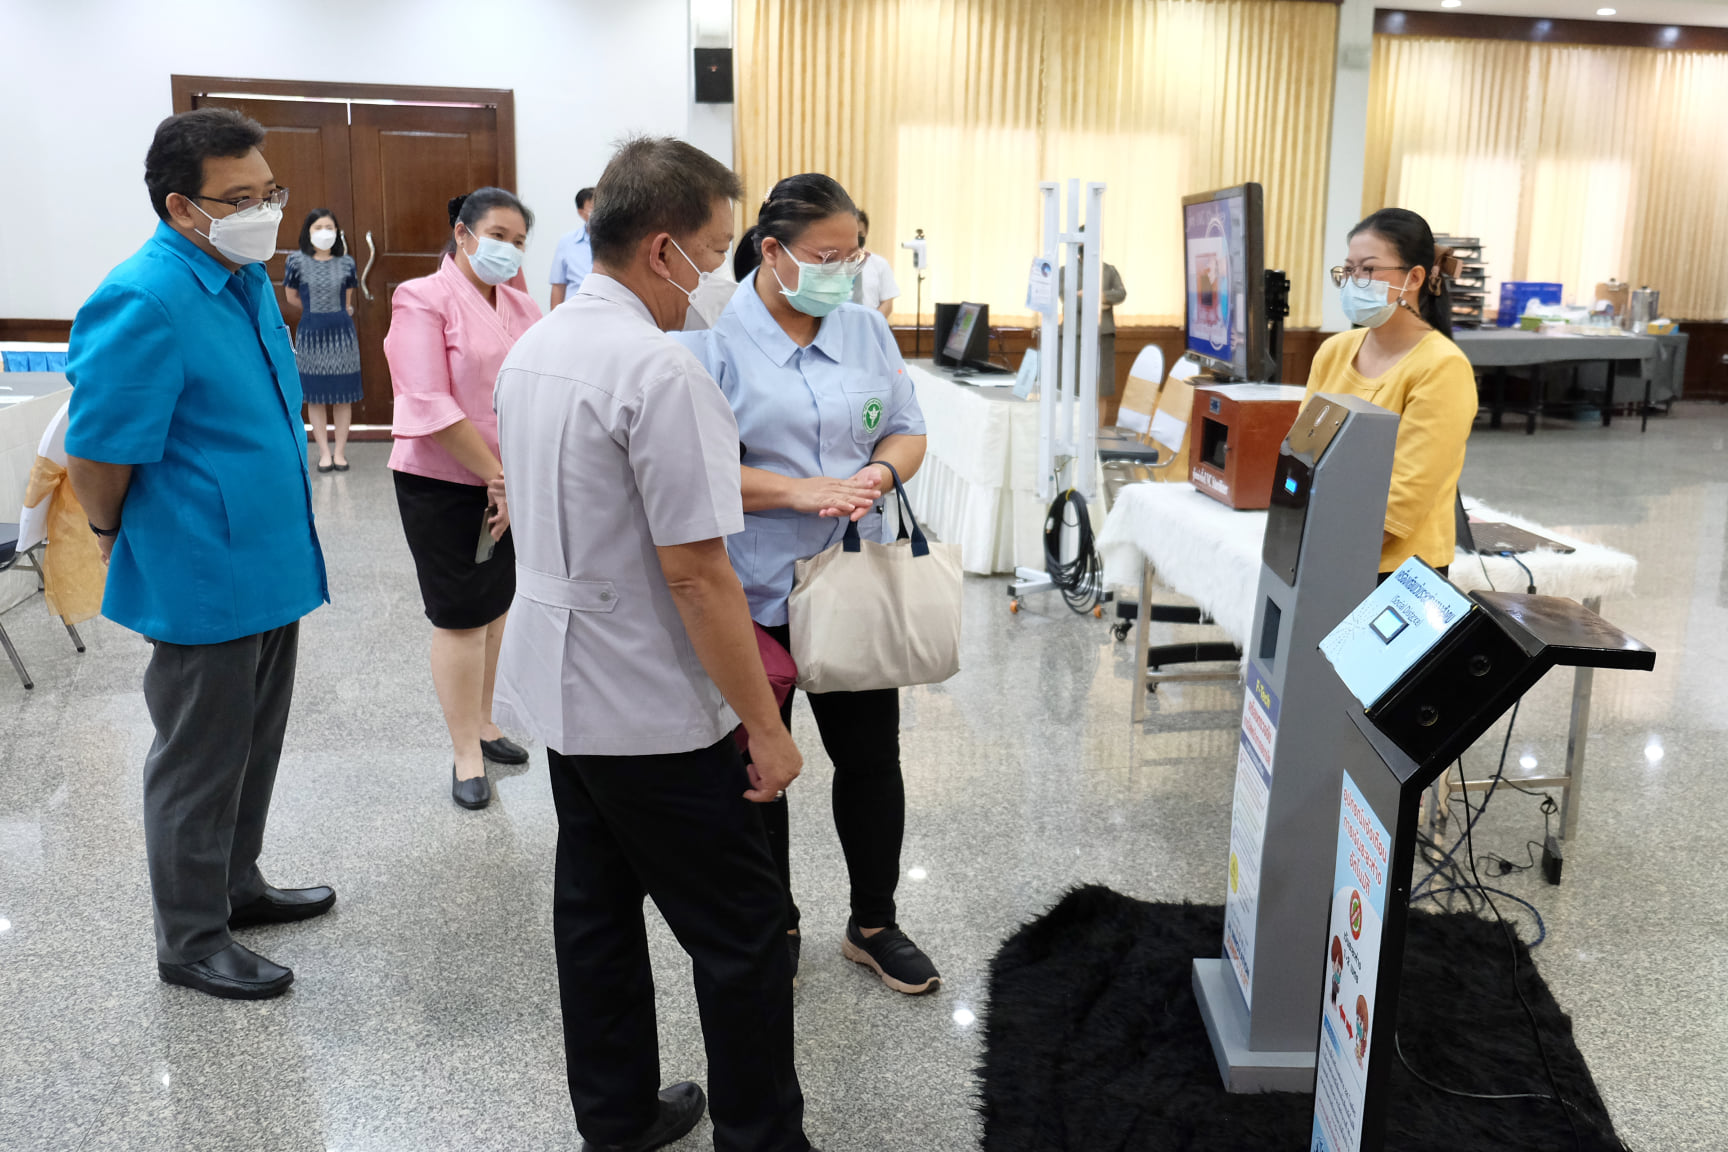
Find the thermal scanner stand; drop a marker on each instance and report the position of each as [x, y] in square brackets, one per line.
[1320, 558]
[1068, 416]
[1426, 671]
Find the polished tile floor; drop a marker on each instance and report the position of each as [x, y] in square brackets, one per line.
[425, 1013]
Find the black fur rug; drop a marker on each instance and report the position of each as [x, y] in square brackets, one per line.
[1093, 1043]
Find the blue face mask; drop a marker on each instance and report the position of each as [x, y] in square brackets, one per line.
[819, 290]
[493, 260]
[1371, 306]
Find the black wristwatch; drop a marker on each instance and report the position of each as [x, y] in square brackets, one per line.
[105, 533]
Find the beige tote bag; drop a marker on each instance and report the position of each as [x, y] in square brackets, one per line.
[865, 615]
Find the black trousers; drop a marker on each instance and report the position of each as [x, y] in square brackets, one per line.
[861, 734]
[678, 830]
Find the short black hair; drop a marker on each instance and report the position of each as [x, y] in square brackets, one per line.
[175, 162]
[583, 197]
[655, 184]
[306, 245]
[795, 203]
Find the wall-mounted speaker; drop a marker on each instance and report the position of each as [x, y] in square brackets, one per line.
[713, 75]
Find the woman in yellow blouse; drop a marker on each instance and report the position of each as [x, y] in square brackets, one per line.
[1394, 284]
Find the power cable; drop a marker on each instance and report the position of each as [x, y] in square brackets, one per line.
[1080, 580]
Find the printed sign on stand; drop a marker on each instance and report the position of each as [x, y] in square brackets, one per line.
[1352, 973]
[1041, 287]
[1248, 826]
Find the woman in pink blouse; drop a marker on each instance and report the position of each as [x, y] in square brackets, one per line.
[449, 334]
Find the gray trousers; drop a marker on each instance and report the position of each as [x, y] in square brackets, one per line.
[220, 711]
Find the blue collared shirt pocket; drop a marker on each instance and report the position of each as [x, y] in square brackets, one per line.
[869, 403]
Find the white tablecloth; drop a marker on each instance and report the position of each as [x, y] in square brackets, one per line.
[28, 401]
[1211, 554]
[978, 487]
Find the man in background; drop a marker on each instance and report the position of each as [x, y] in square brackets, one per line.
[1109, 405]
[875, 286]
[187, 451]
[630, 653]
[574, 258]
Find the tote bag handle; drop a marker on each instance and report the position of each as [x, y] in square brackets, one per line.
[920, 545]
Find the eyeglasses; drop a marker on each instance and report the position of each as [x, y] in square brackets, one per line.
[831, 261]
[1364, 276]
[276, 199]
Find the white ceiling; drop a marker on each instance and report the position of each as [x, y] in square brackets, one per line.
[1708, 13]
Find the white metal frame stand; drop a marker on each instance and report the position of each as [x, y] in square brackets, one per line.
[1068, 418]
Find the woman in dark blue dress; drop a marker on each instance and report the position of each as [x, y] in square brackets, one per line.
[320, 282]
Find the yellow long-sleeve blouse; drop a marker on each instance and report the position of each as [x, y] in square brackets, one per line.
[1433, 390]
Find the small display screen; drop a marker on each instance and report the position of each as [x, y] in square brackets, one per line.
[1290, 485]
[960, 335]
[1388, 624]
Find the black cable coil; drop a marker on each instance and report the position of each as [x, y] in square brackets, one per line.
[1080, 580]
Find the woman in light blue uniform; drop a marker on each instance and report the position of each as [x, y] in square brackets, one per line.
[821, 395]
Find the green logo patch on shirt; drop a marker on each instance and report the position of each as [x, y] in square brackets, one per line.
[872, 414]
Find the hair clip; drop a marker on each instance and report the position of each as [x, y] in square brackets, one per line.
[1446, 267]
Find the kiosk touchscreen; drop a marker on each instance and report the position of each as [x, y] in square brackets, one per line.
[1426, 670]
[1320, 556]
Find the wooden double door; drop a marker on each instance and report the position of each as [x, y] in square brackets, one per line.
[386, 161]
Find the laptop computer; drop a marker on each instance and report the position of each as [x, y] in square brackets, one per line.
[1492, 538]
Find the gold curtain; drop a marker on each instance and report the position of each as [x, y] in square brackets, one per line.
[1573, 164]
[945, 114]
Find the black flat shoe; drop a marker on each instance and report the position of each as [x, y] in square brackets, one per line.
[235, 973]
[503, 751]
[341, 467]
[326, 468]
[681, 1108]
[474, 793]
[283, 906]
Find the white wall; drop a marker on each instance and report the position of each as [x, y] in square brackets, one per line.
[1349, 156]
[85, 82]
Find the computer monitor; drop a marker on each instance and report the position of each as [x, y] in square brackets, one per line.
[966, 336]
[1224, 261]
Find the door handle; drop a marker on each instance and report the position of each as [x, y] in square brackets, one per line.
[371, 258]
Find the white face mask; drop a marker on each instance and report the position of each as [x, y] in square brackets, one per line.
[247, 237]
[493, 260]
[1371, 306]
[709, 298]
[323, 239]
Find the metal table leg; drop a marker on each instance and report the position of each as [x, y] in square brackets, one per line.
[1142, 643]
[1577, 737]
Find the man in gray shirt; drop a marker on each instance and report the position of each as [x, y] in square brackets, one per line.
[630, 653]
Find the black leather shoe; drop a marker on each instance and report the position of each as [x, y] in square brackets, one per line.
[474, 793]
[681, 1108]
[283, 906]
[503, 751]
[235, 973]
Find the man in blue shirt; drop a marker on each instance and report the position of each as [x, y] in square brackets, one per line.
[574, 258]
[186, 449]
